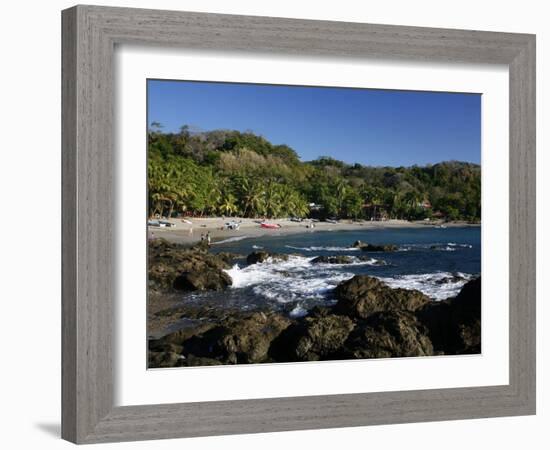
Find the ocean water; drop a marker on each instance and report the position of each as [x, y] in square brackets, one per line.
[436, 261]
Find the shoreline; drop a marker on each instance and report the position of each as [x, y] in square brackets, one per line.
[190, 234]
[366, 316]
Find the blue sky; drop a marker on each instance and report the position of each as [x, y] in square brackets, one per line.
[372, 127]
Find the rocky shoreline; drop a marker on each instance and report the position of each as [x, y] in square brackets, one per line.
[369, 319]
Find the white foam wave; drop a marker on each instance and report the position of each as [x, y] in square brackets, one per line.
[298, 311]
[288, 281]
[454, 244]
[438, 285]
[436, 246]
[297, 280]
[231, 239]
[324, 249]
[257, 247]
[355, 262]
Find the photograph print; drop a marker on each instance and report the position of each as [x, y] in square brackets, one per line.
[300, 223]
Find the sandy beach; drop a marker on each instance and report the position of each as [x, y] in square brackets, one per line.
[190, 233]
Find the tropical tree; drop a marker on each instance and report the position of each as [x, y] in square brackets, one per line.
[252, 200]
[374, 197]
[229, 172]
[352, 204]
[228, 204]
[272, 200]
[341, 190]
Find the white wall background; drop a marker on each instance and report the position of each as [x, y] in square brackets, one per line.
[30, 249]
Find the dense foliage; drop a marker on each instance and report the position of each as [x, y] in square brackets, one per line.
[231, 173]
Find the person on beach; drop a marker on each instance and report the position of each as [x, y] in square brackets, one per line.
[202, 238]
[208, 239]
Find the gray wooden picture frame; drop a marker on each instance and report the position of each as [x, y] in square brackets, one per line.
[90, 34]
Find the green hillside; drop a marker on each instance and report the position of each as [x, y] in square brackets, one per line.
[231, 173]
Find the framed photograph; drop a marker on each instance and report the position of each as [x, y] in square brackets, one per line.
[277, 224]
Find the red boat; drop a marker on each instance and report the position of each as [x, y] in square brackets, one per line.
[270, 225]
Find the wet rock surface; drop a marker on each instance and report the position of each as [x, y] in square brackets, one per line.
[171, 266]
[369, 319]
[261, 256]
[339, 259]
[313, 338]
[454, 325]
[363, 295]
[204, 280]
[242, 338]
[366, 247]
[386, 335]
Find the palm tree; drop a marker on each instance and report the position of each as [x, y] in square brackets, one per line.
[341, 192]
[391, 203]
[411, 200]
[252, 197]
[272, 199]
[290, 201]
[301, 207]
[228, 204]
[182, 197]
[162, 189]
[375, 197]
[214, 198]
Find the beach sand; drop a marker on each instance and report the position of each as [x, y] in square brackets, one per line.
[188, 234]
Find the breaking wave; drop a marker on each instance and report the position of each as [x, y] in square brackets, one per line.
[289, 281]
[438, 285]
[436, 246]
[323, 249]
[297, 279]
[231, 239]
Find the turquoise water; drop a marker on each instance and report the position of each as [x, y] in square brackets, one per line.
[437, 261]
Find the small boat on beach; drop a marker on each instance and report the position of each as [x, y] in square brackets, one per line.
[166, 223]
[270, 225]
[232, 225]
[160, 223]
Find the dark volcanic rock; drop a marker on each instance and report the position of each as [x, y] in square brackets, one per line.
[370, 320]
[339, 259]
[320, 311]
[450, 279]
[261, 256]
[167, 261]
[203, 280]
[379, 248]
[228, 258]
[455, 324]
[174, 341]
[362, 296]
[374, 262]
[161, 346]
[239, 339]
[312, 338]
[163, 359]
[159, 360]
[192, 360]
[436, 317]
[366, 247]
[388, 334]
